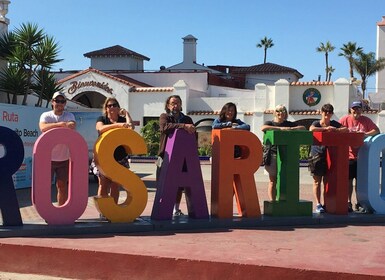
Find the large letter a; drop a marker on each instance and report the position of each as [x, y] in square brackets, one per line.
[180, 169]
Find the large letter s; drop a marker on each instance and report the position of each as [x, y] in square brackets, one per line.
[136, 189]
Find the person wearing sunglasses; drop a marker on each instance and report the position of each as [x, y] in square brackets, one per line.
[279, 122]
[168, 122]
[60, 154]
[113, 117]
[317, 161]
[356, 122]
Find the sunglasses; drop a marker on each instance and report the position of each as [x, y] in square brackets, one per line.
[114, 105]
[60, 101]
[280, 111]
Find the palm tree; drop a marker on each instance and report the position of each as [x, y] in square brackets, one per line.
[349, 50]
[13, 81]
[330, 71]
[46, 55]
[265, 44]
[30, 50]
[367, 65]
[326, 48]
[45, 86]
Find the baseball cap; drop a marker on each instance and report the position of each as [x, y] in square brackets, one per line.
[356, 104]
[58, 93]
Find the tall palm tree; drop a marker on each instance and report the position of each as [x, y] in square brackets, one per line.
[367, 65]
[330, 71]
[31, 50]
[326, 48]
[265, 44]
[349, 50]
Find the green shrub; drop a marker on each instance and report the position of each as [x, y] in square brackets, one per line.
[205, 150]
[151, 134]
[304, 151]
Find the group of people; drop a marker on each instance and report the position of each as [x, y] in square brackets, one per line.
[116, 117]
[353, 122]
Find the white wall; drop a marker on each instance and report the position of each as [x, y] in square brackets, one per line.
[117, 63]
[196, 81]
[268, 79]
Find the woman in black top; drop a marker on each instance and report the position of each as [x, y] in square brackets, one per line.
[113, 117]
[279, 122]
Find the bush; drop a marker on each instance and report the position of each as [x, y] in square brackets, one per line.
[304, 151]
[205, 150]
[151, 135]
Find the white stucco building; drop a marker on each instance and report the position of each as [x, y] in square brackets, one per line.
[256, 90]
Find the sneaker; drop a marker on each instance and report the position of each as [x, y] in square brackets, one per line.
[358, 207]
[319, 208]
[350, 207]
[363, 210]
[178, 213]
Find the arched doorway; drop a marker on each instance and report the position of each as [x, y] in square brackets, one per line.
[91, 99]
[203, 128]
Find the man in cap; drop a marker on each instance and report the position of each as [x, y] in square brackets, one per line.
[356, 122]
[56, 118]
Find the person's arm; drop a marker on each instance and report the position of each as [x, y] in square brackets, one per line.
[124, 113]
[217, 124]
[268, 125]
[315, 126]
[101, 127]
[373, 132]
[47, 126]
[298, 127]
[370, 128]
[241, 125]
[69, 123]
[167, 127]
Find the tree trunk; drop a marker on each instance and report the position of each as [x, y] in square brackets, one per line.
[327, 66]
[264, 59]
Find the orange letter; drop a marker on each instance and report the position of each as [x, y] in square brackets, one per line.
[231, 176]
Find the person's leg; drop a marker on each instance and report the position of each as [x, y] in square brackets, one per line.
[177, 202]
[61, 171]
[317, 188]
[104, 186]
[114, 191]
[271, 169]
[272, 190]
[352, 175]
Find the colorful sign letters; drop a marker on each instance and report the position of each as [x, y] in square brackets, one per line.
[231, 177]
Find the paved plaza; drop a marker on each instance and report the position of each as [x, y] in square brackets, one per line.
[315, 247]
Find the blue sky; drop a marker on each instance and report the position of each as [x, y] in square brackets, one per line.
[227, 31]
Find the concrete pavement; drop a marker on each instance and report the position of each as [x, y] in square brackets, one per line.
[318, 247]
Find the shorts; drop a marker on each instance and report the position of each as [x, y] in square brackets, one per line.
[317, 165]
[352, 169]
[60, 170]
[271, 169]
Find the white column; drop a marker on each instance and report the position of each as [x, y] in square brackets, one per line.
[380, 75]
[282, 93]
